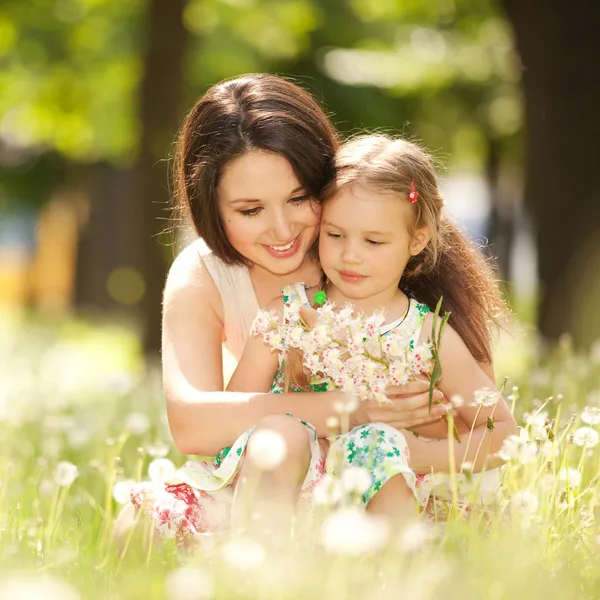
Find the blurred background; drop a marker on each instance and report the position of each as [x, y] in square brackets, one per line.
[504, 93]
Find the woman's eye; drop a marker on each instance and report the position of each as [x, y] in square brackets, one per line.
[251, 212]
[299, 199]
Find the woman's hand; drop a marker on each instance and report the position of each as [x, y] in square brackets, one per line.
[408, 406]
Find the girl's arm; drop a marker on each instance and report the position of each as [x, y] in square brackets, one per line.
[203, 418]
[258, 363]
[463, 377]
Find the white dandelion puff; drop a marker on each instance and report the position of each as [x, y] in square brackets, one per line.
[352, 532]
[122, 490]
[189, 583]
[160, 469]
[65, 473]
[355, 480]
[591, 415]
[266, 449]
[243, 554]
[570, 476]
[586, 436]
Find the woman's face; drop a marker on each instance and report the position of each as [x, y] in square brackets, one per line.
[268, 216]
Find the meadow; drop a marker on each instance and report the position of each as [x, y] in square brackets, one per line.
[81, 418]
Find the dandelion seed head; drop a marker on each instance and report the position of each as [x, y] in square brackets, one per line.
[591, 415]
[586, 436]
[355, 480]
[266, 449]
[65, 473]
[122, 491]
[160, 469]
[189, 583]
[137, 423]
[353, 532]
[158, 450]
[569, 476]
[243, 554]
[37, 587]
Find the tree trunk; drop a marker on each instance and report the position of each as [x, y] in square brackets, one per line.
[160, 112]
[559, 44]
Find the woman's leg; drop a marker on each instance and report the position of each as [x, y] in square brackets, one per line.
[266, 499]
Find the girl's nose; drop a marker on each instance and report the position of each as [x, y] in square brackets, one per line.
[351, 254]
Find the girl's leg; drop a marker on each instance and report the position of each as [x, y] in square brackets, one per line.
[128, 527]
[266, 499]
[395, 501]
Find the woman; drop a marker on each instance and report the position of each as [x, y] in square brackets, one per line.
[253, 157]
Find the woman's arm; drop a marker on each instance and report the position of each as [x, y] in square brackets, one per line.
[203, 418]
[463, 377]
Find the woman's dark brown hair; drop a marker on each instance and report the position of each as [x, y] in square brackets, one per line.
[262, 112]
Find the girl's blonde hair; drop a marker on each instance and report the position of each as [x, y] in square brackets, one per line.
[450, 266]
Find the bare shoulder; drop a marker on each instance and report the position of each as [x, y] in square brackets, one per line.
[189, 282]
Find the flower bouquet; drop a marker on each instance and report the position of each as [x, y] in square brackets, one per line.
[346, 350]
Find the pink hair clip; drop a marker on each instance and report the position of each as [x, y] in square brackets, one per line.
[413, 194]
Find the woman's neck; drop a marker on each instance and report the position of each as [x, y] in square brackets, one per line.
[394, 302]
[267, 285]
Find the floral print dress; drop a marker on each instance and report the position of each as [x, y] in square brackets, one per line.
[197, 499]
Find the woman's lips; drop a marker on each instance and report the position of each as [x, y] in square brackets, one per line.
[288, 250]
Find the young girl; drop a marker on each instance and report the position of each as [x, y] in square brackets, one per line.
[386, 245]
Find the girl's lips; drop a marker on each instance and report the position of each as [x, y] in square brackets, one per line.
[284, 253]
[351, 276]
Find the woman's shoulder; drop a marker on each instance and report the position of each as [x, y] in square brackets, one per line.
[190, 276]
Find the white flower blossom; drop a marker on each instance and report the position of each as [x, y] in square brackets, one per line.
[355, 480]
[518, 448]
[486, 398]
[65, 473]
[591, 415]
[122, 491]
[189, 583]
[266, 449]
[243, 554]
[570, 476]
[353, 532]
[328, 491]
[160, 469]
[586, 436]
[137, 423]
[37, 587]
[524, 503]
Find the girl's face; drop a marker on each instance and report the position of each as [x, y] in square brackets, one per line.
[365, 244]
[269, 218]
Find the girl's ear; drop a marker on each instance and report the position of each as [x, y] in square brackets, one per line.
[419, 240]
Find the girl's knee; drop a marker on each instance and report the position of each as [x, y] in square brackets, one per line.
[292, 431]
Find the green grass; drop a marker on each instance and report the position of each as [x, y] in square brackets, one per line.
[68, 392]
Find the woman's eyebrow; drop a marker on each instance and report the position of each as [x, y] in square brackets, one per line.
[241, 200]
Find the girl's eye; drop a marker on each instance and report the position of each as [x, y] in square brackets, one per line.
[299, 199]
[251, 212]
[335, 236]
[374, 243]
